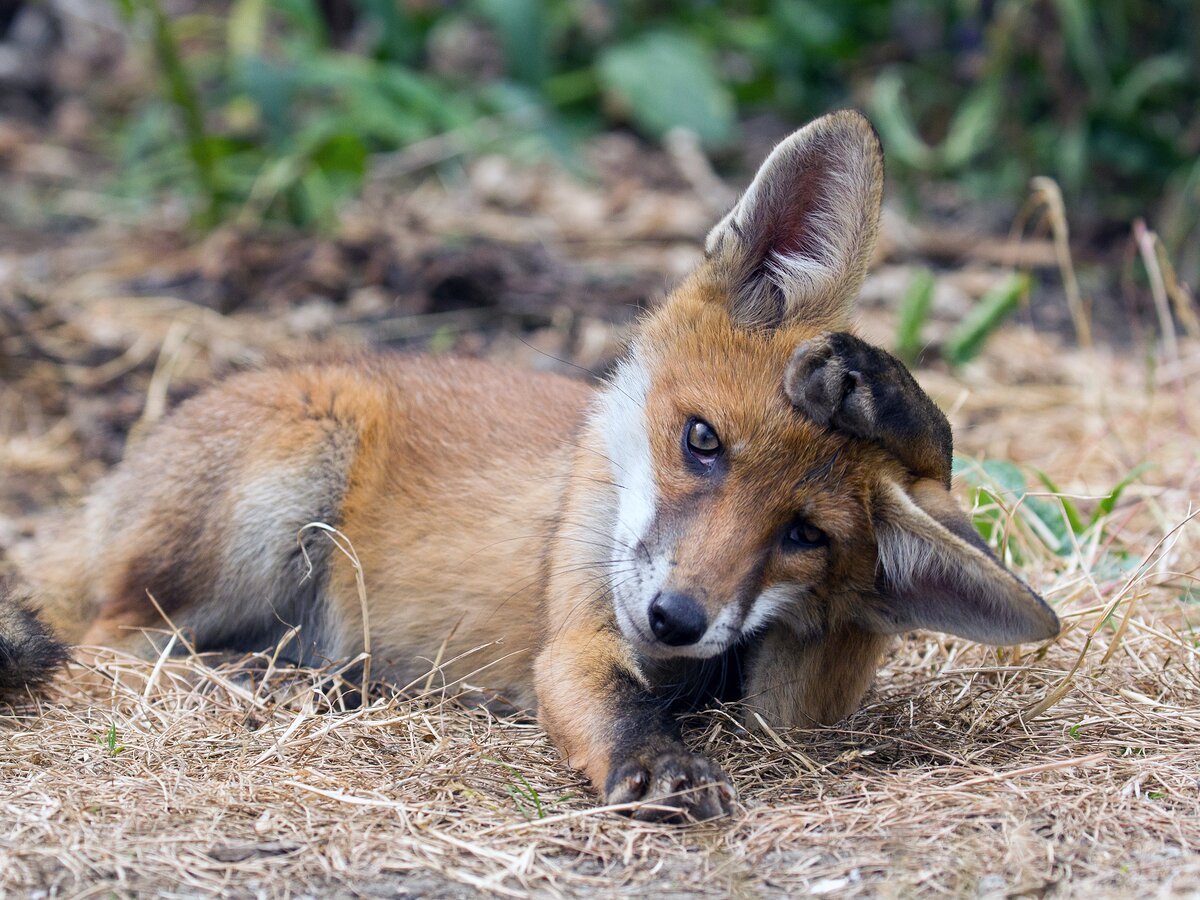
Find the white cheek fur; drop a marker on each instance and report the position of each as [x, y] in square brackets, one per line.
[628, 446]
[622, 419]
[768, 605]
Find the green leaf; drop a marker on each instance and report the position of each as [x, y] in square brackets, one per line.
[891, 117]
[342, 153]
[997, 484]
[965, 342]
[666, 80]
[1069, 508]
[1085, 50]
[522, 28]
[961, 464]
[1052, 527]
[810, 24]
[1007, 476]
[973, 127]
[1148, 76]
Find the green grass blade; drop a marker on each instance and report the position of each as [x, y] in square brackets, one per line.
[968, 339]
[913, 313]
[1069, 508]
[185, 98]
[1109, 502]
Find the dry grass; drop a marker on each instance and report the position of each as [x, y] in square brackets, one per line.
[1069, 768]
[216, 780]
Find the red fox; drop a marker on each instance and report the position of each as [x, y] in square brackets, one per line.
[748, 508]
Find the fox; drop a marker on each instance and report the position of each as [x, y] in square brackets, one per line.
[747, 509]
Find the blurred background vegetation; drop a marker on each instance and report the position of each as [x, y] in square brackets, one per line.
[272, 111]
[274, 107]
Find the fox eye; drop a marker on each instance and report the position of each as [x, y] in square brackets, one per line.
[701, 441]
[803, 535]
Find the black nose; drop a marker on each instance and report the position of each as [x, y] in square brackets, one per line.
[676, 619]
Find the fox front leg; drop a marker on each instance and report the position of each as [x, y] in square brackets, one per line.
[841, 381]
[609, 723]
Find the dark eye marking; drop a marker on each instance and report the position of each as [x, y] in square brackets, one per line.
[801, 534]
[701, 446]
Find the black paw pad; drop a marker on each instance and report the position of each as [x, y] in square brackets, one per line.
[672, 786]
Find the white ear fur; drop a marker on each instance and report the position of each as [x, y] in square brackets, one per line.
[935, 573]
[796, 246]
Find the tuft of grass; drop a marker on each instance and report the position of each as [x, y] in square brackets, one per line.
[184, 98]
[524, 794]
[108, 740]
[1001, 498]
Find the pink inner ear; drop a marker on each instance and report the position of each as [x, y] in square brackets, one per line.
[789, 224]
[802, 234]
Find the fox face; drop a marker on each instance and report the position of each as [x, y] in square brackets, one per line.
[733, 509]
[768, 467]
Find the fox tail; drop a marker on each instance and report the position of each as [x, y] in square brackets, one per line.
[30, 654]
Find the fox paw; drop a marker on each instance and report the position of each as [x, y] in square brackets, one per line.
[846, 384]
[838, 380]
[671, 786]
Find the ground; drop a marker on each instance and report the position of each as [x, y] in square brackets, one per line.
[1069, 768]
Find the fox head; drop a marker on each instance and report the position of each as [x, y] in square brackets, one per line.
[733, 509]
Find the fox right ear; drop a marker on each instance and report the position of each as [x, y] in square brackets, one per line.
[796, 246]
[935, 572]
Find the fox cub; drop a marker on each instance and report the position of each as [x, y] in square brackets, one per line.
[747, 508]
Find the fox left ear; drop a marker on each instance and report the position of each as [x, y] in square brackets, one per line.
[936, 573]
[796, 246]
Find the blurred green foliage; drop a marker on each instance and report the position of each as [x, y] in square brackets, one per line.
[912, 313]
[294, 95]
[967, 339]
[1001, 500]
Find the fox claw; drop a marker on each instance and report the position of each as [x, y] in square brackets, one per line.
[673, 786]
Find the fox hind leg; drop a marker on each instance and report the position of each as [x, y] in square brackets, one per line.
[210, 528]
